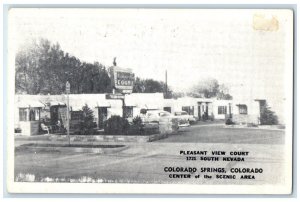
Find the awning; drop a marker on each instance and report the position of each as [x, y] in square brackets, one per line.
[76, 105]
[150, 106]
[104, 103]
[241, 105]
[30, 104]
[145, 100]
[130, 103]
[56, 103]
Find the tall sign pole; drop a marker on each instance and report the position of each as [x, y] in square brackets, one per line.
[68, 111]
[166, 90]
[122, 81]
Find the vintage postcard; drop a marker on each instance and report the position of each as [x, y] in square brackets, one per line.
[174, 101]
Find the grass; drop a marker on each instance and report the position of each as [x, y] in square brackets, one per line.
[219, 134]
[27, 177]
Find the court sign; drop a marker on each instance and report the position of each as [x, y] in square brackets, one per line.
[122, 79]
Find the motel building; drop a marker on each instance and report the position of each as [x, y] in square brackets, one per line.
[32, 110]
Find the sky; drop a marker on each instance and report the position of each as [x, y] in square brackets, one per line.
[251, 59]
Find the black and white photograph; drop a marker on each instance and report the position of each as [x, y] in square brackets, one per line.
[140, 100]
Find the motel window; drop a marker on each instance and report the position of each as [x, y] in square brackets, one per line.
[128, 112]
[76, 115]
[34, 114]
[192, 110]
[222, 110]
[23, 114]
[243, 109]
[167, 109]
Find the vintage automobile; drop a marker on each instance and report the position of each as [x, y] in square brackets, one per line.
[185, 117]
[164, 116]
[157, 116]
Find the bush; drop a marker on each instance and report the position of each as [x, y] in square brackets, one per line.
[135, 130]
[116, 125]
[18, 130]
[229, 121]
[137, 121]
[137, 127]
[86, 125]
[268, 117]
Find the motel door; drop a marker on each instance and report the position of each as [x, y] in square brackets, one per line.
[54, 114]
[205, 114]
[102, 114]
[199, 112]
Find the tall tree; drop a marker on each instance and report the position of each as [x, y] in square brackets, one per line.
[148, 86]
[29, 74]
[43, 68]
[205, 88]
[209, 88]
[267, 117]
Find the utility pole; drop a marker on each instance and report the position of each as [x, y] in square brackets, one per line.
[166, 80]
[68, 111]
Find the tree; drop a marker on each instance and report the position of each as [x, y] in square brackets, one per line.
[205, 88]
[87, 124]
[267, 117]
[29, 75]
[177, 95]
[148, 86]
[138, 86]
[151, 86]
[94, 79]
[42, 68]
[209, 88]
[223, 93]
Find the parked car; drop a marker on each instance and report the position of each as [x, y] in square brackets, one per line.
[163, 116]
[185, 117]
[167, 121]
[157, 116]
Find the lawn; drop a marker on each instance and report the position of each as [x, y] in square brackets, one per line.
[220, 134]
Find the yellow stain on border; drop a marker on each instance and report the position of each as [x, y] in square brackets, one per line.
[265, 22]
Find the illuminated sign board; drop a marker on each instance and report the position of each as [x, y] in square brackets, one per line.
[122, 79]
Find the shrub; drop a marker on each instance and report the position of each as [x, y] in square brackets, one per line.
[137, 127]
[137, 121]
[143, 129]
[150, 129]
[229, 121]
[87, 125]
[267, 117]
[18, 130]
[135, 130]
[116, 125]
